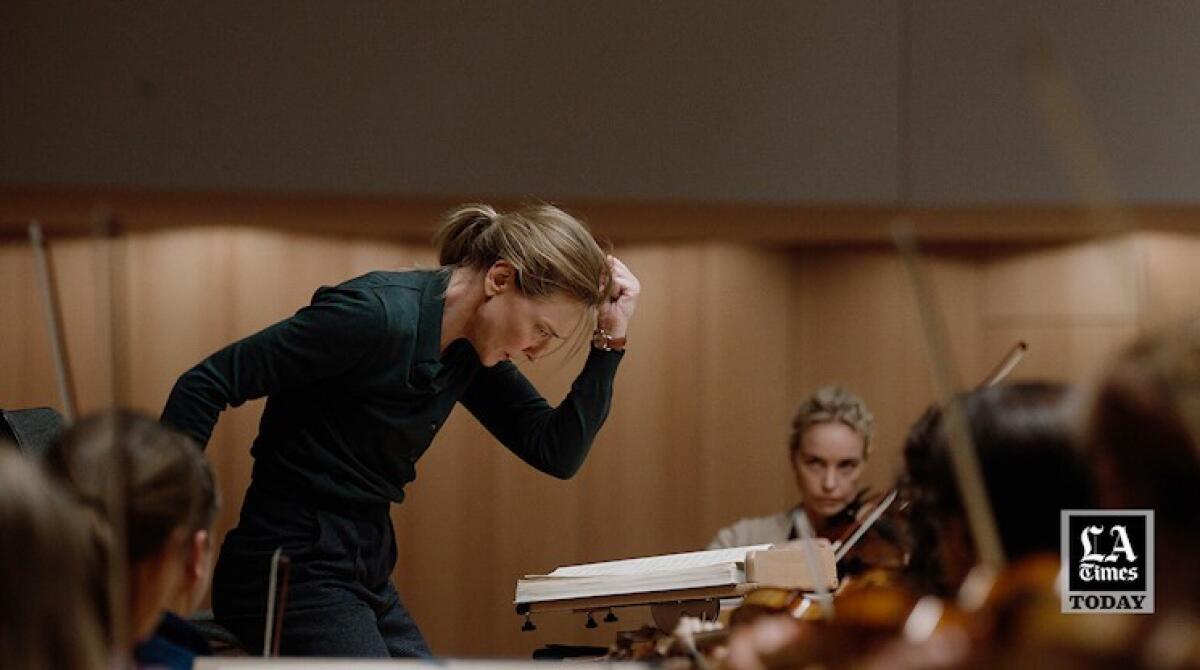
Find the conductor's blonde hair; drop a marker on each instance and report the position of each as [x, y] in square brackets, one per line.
[550, 250]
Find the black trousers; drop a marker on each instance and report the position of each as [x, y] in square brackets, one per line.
[341, 601]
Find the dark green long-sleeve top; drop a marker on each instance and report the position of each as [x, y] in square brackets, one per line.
[357, 387]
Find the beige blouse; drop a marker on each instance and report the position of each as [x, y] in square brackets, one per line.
[761, 530]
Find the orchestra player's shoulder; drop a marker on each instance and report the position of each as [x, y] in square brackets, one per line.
[757, 530]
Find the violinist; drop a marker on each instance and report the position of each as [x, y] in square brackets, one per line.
[829, 448]
[1031, 470]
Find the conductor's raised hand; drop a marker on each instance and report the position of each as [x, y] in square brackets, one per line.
[622, 299]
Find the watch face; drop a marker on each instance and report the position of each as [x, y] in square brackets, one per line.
[599, 340]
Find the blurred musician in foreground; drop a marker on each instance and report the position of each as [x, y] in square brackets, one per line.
[1144, 437]
[152, 485]
[1032, 469]
[828, 449]
[50, 609]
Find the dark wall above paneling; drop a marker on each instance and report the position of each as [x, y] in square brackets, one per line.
[1049, 102]
[855, 102]
[766, 102]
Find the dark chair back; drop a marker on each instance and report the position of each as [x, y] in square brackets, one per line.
[32, 430]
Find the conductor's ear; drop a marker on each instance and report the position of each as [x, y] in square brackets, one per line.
[500, 277]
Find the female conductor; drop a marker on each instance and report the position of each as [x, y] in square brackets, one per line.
[357, 385]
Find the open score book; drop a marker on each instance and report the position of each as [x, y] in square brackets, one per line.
[696, 569]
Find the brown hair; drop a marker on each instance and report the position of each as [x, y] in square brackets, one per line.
[143, 483]
[1145, 426]
[549, 249]
[828, 405]
[158, 474]
[50, 609]
[1023, 438]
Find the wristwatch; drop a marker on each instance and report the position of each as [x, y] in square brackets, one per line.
[605, 342]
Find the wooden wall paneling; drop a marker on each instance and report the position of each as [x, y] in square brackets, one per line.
[855, 324]
[177, 303]
[366, 255]
[1077, 305]
[745, 407]
[27, 375]
[638, 487]
[176, 306]
[957, 281]
[1171, 263]
[650, 494]
[1090, 280]
[1074, 305]
[74, 261]
[1068, 352]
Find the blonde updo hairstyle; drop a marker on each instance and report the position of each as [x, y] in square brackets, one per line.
[832, 404]
[550, 250]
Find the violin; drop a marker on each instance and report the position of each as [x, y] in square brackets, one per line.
[869, 550]
[868, 534]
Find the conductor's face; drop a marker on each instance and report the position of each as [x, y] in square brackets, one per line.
[510, 325]
[828, 466]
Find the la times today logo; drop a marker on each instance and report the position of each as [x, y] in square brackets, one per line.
[1108, 561]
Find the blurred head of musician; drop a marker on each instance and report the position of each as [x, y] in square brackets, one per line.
[50, 600]
[1143, 432]
[154, 488]
[829, 446]
[1031, 467]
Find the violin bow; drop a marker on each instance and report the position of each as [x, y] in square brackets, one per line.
[809, 549]
[103, 234]
[844, 548]
[272, 580]
[997, 375]
[52, 311]
[1073, 137]
[967, 472]
[1005, 366]
[276, 584]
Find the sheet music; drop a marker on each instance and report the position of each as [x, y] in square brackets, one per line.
[635, 566]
